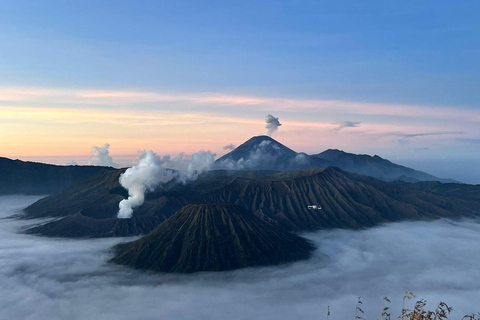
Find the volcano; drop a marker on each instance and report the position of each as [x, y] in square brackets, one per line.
[265, 153]
[212, 237]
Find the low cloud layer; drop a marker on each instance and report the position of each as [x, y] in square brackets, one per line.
[101, 157]
[150, 171]
[54, 279]
[272, 124]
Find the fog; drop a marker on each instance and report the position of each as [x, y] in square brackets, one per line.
[44, 278]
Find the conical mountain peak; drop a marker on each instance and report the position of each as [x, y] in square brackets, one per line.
[212, 237]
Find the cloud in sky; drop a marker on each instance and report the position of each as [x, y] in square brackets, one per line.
[467, 140]
[230, 146]
[347, 124]
[80, 98]
[101, 157]
[420, 149]
[45, 278]
[425, 134]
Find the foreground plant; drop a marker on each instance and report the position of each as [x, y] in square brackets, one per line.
[441, 312]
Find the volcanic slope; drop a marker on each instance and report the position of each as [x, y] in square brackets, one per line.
[348, 201]
[455, 190]
[212, 237]
[374, 166]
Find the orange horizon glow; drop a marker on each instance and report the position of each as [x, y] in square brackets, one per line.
[56, 122]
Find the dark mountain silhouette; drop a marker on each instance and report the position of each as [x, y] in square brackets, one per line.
[212, 237]
[348, 200]
[18, 176]
[375, 166]
[455, 190]
[265, 153]
[259, 153]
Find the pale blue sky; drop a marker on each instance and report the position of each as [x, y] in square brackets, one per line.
[419, 52]
[423, 54]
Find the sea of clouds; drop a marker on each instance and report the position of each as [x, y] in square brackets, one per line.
[46, 278]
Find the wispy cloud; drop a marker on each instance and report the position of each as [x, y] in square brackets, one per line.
[347, 124]
[422, 134]
[468, 140]
[144, 99]
[30, 119]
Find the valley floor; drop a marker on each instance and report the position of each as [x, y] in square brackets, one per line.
[52, 278]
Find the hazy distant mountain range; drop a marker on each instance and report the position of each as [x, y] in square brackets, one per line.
[265, 153]
[258, 153]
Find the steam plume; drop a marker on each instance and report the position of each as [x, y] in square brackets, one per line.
[146, 175]
[151, 171]
[229, 147]
[101, 157]
[272, 124]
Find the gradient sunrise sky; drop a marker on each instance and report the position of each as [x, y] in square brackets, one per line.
[400, 79]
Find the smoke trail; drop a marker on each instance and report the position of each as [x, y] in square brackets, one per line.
[151, 171]
[272, 124]
[101, 156]
[143, 177]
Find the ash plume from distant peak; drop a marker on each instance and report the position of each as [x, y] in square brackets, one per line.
[229, 147]
[272, 124]
[150, 171]
[101, 157]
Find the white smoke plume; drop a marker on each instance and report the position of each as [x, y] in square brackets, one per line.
[101, 157]
[146, 175]
[151, 171]
[272, 124]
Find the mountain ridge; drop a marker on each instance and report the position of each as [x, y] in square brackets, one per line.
[34, 178]
[348, 200]
[264, 152]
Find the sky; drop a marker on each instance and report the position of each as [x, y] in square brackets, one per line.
[51, 278]
[395, 78]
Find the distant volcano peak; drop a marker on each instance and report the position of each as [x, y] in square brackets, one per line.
[264, 153]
